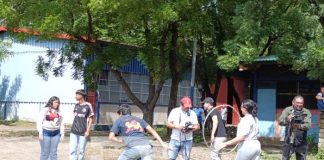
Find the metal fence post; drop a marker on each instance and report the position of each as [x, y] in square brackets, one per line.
[5, 111]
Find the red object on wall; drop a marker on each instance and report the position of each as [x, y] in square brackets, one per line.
[91, 98]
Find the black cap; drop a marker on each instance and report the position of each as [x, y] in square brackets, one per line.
[208, 100]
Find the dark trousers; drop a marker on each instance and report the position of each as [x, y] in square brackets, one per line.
[289, 149]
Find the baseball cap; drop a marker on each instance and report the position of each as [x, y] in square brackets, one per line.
[208, 100]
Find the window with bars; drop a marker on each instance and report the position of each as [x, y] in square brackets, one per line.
[110, 91]
[287, 90]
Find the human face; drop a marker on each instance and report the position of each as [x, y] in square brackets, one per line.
[78, 97]
[322, 89]
[56, 104]
[244, 111]
[206, 106]
[186, 106]
[298, 103]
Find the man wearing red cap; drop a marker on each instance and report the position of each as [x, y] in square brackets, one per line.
[183, 121]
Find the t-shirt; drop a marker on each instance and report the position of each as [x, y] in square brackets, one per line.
[50, 119]
[81, 113]
[179, 117]
[132, 130]
[320, 94]
[248, 127]
[220, 131]
[199, 112]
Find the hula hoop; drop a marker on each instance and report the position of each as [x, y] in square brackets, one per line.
[203, 128]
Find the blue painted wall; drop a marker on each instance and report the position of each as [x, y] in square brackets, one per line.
[266, 93]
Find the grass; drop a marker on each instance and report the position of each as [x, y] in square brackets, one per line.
[16, 123]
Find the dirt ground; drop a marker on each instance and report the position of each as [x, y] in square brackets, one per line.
[100, 148]
[20, 141]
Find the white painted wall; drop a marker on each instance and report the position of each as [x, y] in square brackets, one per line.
[34, 88]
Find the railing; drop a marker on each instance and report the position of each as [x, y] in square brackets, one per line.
[29, 110]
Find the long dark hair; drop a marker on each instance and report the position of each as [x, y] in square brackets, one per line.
[50, 102]
[250, 106]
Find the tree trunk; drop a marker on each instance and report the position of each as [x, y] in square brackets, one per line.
[229, 99]
[148, 114]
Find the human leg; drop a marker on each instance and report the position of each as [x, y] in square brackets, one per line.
[53, 147]
[287, 151]
[301, 152]
[174, 148]
[250, 150]
[74, 140]
[185, 149]
[130, 153]
[82, 146]
[45, 147]
[214, 153]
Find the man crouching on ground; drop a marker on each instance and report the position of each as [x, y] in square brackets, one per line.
[132, 130]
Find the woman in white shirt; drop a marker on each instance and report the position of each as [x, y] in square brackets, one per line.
[247, 131]
[50, 129]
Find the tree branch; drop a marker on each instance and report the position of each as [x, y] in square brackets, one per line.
[126, 88]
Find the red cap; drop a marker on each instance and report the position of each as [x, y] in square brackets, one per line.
[185, 100]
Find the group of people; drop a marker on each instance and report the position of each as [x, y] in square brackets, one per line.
[50, 127]
[182, 120]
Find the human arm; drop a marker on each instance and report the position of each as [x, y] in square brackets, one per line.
[156, 135]
[319, 96]
[285, 117]
[233, 141]
[113, 137]
[62, 129]
[89, 123]
[195, 124]
[39, 124]
[307, 121]
[171, 121]
[215, 124]
[89, 120]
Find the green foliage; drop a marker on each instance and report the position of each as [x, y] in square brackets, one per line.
[319, 155]
[163, 132]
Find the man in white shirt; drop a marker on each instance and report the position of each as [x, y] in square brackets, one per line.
[183, 121]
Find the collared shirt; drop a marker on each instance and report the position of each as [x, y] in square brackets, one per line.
[289, 110]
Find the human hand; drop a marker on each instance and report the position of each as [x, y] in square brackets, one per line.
[87, 133]
[165, 146]
[62, 138]
[212, 139]
[222, 145]
[290, 117]
[40, 137]
[179, 127]
[296, 126]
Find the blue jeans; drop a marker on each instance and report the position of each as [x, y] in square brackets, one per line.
[76, 140]
[143, 152]
[184, 147]
[49, 144]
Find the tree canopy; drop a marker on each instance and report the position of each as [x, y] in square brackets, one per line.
[160, 33]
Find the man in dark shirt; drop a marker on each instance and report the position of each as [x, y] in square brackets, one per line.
[218, 134]
[132, 131]
[81, 125]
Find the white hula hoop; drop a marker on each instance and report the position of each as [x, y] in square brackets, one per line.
[203, 127]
